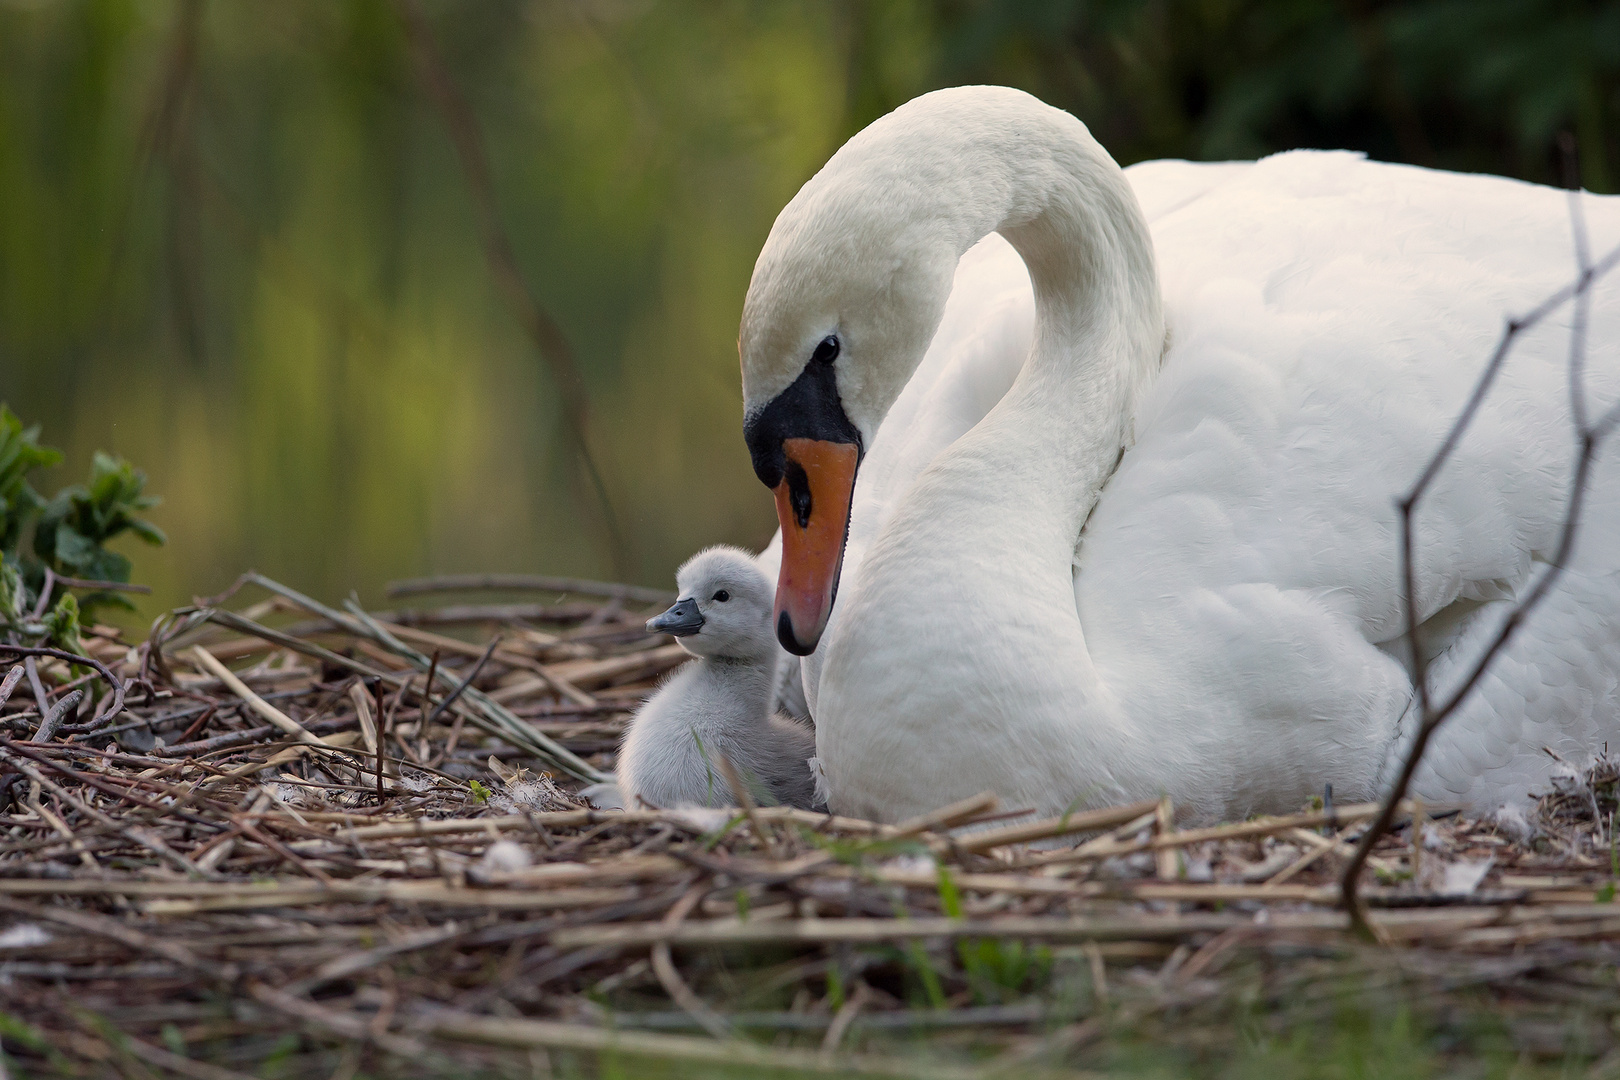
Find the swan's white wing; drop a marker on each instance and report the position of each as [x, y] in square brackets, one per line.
[1327, 318]
[1327, 315]
[1163, 187]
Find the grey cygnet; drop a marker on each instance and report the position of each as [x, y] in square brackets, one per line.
[720, 703]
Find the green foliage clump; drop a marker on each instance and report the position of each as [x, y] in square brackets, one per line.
[69, 534]
[77, 523]
[20, 453]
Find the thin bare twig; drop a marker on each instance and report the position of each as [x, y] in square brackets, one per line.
[450, 699]
[13, 677]
[53, 719]
[103, 586]
[664, 968]
[74, 658]
[1588, 436]
[45, 590]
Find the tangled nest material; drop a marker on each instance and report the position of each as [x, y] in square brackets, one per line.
[352, 839]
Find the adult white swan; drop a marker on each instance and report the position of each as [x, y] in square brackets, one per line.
[1165, 561]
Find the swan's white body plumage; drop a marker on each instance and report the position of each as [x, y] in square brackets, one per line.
[1226, 629]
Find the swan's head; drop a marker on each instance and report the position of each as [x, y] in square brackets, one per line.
[846, 295]
[853, 280]
[724, 609]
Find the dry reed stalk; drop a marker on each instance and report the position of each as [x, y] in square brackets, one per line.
[960, 812]
[356, 918]
[207, 663]
[663, 966]
[680, 1048]
[739, 790]
[1325, 844]
[549, 678]
[588, 673]
[1269, 826]
[1399, 924]
[1082, 821]
[427, 893]
[846, 1016]
[820, 931]
[1166, 859]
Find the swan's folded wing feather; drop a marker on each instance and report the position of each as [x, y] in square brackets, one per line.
[1166, 186]
[1245, 551]
[1328, 317]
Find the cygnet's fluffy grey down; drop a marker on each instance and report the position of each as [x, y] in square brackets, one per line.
[721, 703]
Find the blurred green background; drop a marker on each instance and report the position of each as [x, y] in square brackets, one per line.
[239, 247]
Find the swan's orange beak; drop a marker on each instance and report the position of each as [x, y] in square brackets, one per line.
[812, 502]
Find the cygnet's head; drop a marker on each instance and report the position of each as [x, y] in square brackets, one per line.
[724, 610]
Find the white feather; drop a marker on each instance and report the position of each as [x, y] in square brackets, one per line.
[1226, 628]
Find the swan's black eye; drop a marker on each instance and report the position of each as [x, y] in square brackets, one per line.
[826, 350]
[722, 596]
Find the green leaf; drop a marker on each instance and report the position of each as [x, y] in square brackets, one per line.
[62, 624]
[108, 479]
[835, 987]
[104, 565]
[73, 528]
[950, 900]
[19, 1032]
[148, 532]
[923, 968]
[20, 453]
[73, 550]
[13, 596]
[22, 1032]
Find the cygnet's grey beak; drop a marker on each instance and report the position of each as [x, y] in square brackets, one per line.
[681, 620]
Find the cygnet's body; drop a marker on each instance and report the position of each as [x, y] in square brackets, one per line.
[721, 704]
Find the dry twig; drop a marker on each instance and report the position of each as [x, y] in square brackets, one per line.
[1589, 435]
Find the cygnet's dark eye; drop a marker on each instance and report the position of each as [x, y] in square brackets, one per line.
[722, 596]
[826, 350]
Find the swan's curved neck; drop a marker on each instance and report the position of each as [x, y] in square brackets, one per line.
[1069, 211]
[964, 605]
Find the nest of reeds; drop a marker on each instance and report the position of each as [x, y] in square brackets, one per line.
[352, 841]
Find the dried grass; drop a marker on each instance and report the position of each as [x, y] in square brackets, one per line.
[284, 846]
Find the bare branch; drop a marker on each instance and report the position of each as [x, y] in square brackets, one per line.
[103, 586]
[9, 683]
[53, 719]
[83, 661]
[1588, 437]
[450, 698]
